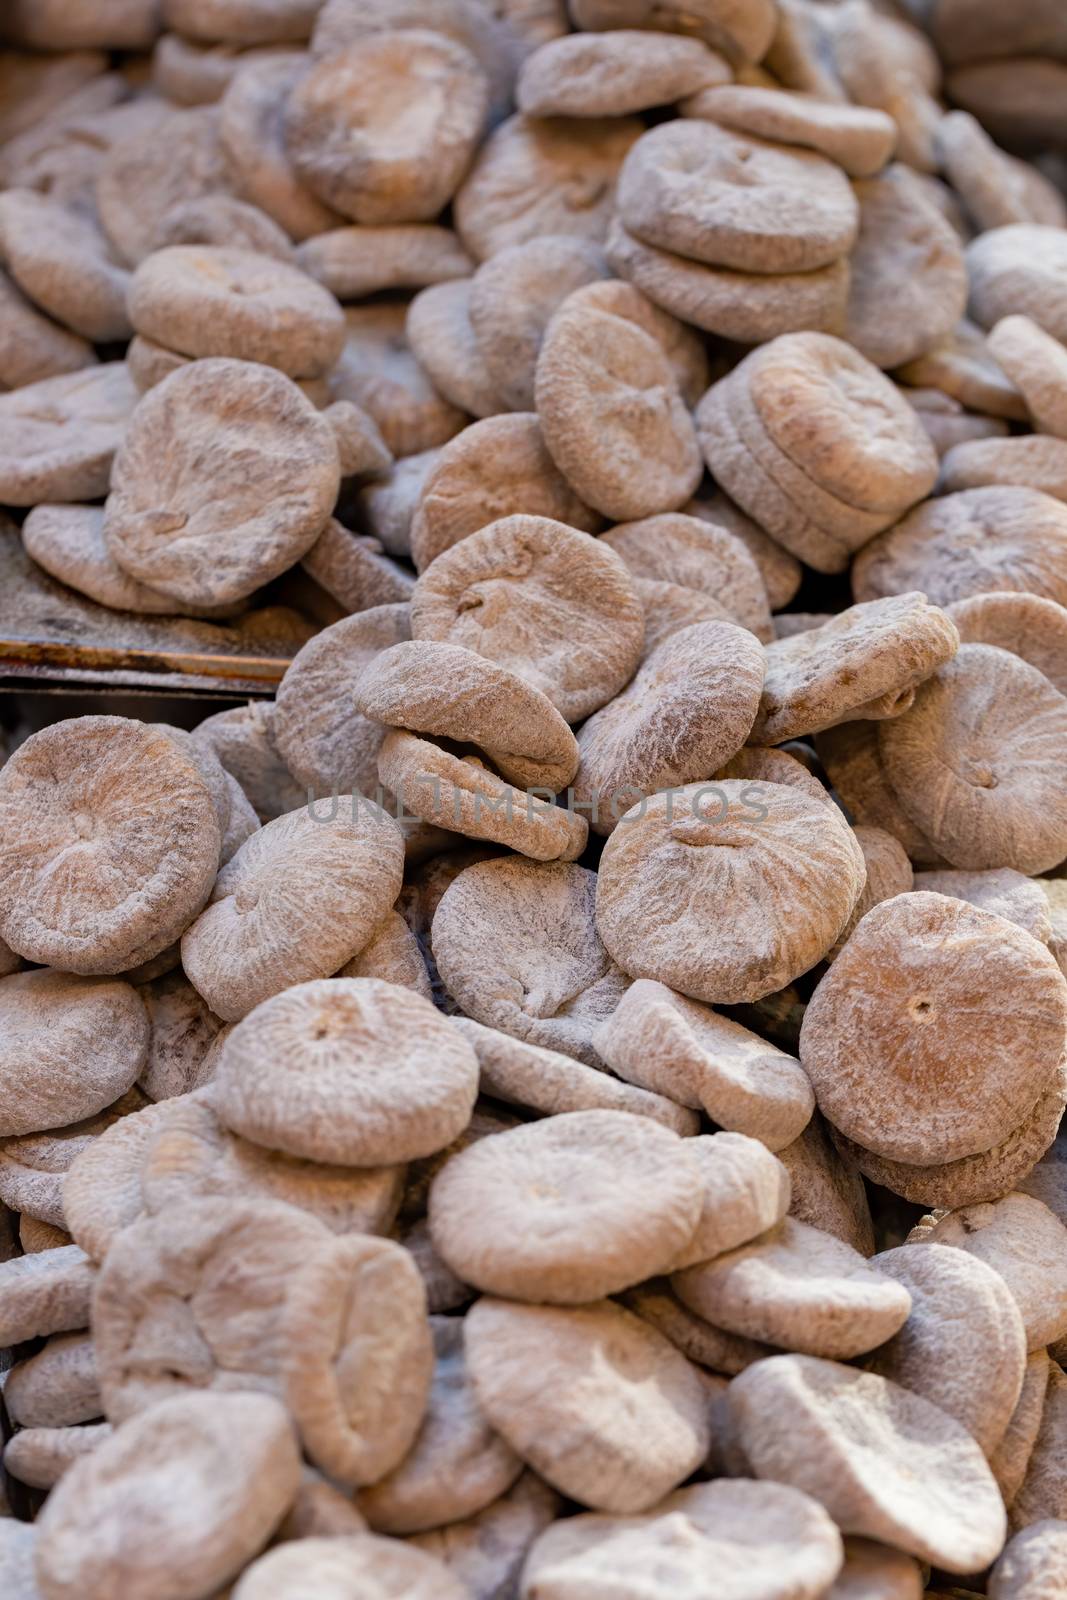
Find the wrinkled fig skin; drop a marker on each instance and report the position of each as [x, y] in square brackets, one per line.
[540, 1076]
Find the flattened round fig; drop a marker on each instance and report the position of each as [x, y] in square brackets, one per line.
[32, 346]
[243, 740]
[961, 366]
[144, 174]
[699, 554]
[611, 74]
[191, 1299]
[496, 468]
[884, 1462]
[850, 755]
[513, 297]
[859, 138]
[323, 740]
[69, 1046]
[1032, 1565]
[347, 1070]
[516, 945]
[102, 1190]
[776, 878]
[970, 543]
[865, 663]
[378, 371]
[194, 1156]
[745, 1193]
[825, 1190]
[46, 1292]
[800, 1288]
[882, 1042]
[114, 1524]
[531, 178]
[215, 534]
[963, 1345]
[1019, 270]
[490, 1548]
[745, 306]
[385, 130]
[43, 1455]
[612, 413]
[687, 710]
[656, 1303]
[554, 605]
[299, 899]
[243, 22]
[1010, 1459]
[1027, 625]
[355, 261]
[735, 1538]
[1022, 1240]
[977, 762]
[99, 871]
[60, 259]
[742, 32]
[209, 300]
[359, 1567]
[1037, 364]
[889, 873]
[59, 436]
[714, 195]
[677, 1047]
[908, 279]
[33, 1167]
[987, 1176]
[524, 1074]
[597, 1402]
[252, 135]
[219, 219]
[445, 690]
[440, 334]
[357, 1357]
[457, 1465]
[1001, 890]
[538, 1214]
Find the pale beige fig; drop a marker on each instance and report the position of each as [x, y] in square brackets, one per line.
[533, 178]
[213, 300]
[974, 542]
[864, 664]
[40, 1456]
[1022, 1240]
[393, 954]
[825, 1190]
[690, 707]
[656, 1303]
[192, 1299]
[884, 1462]
[1002, 890]
[70, 1047]
[516, 945]
[798, 1288]
[759, 764]
[298, 900]
[1027, 625]
[194, 1156]
[47, 1292]
[216, 537]
[356, 1356]
[1041, 1493]
[60, 434]
[321, 737]
[874, 1571]
[219, 219]
[457, 1465]
[746, 1192]
[1035, 362]
[572, 625]
[57, 1387]
[360, 1567]
[538, 1214]
[513, 297]
[697, 552]
[963, 1345]
[671, 1045]
[454, 693]
[597, 1402]
[544, 1080]
[18, 1547]
[113, 1523]
[365, 259]
[1011, 1457]
[352, 142]
[243, 740]
[611, 408]
[251, 132]
[859, 138]
[102, 1188]
[33, 1166]
[733, 1537]
[716, 195]
[350, 1070]
[181, 1033]
[609, 74]
[889, 873]
[146, 172]
[378, 371]
[777, 875]
[61, 260]
[888, 1066]
[493, 469]
[320, 1510]
[487, 1551]
[1019, 270]
[1032, 1565]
